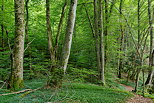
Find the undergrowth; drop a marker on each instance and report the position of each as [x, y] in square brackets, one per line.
[69, 93]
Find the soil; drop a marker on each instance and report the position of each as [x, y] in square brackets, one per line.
[136, 98]
[139, 99]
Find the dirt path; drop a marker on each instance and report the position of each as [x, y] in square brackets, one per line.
[139, 99]
[128, 88]
[136, 98]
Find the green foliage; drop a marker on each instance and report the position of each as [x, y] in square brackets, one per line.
[4, 64]
[83, 75]
[55, 77]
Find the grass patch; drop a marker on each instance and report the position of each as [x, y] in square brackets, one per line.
[69, 93]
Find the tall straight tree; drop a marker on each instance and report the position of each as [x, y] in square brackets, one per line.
[27, 20]
[69, 34]
[49, 33]
[98, 33]
[139, 37]
[120, 64]
[97, 37]
[151, 72]
[106, 30]
[16, 78]
[100, 25]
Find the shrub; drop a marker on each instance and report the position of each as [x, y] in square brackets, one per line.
[82, 75]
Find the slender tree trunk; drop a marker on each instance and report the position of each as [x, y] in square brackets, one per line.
[97, 38]
[16, 78]
[90, 21]
[2, 25]
[27, 21]
[143, 91]
[27, 36]
[106, 31]
[151, 72]
[101, 41]
[49, 33]
[60, 26]
[139, 56]
[69, 33]
[120, 66]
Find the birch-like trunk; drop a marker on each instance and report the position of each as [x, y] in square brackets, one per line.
[69, 33]
[16, 78]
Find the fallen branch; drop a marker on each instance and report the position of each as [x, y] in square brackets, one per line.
[23, 95]
[3, 85]
[16, 92]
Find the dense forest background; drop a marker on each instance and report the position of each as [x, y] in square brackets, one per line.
[85, 41]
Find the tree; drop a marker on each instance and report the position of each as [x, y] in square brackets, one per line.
[53, 48]
[106, 31]
[69, 33]
[151, 72]
[100, 22]
[98, 29]
[27, 20]
[2, 25]
[49, 33]
[16, 77]
[120, 64]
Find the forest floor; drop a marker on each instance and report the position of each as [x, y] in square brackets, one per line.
[72, 92]
[69, 93]
[136, 98]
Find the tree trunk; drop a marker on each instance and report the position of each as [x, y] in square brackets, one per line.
[49, 33]
[139, 57]
[60, 26]
[101, 41]
[27, 21]
[69, 33]
[97, 38]
[151, 72]
[106, 31]
[2, 25]
[120, 66]
[16, 78]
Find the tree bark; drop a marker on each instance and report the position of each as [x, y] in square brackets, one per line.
[69, 33]
[49, 33]
[97, 38]
[27, 21]
[151, 72]
[139, 55]
[106, 30]
[60, 26]
[120, 65]
[16, 78]
[2, 25]
[101, 41]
